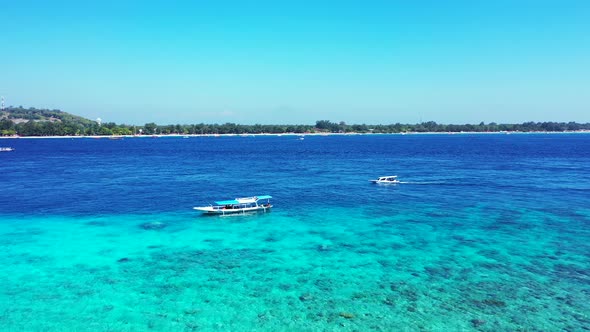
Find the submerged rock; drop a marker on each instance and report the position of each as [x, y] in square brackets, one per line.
[191, 326]
[477, 322]
[389, 300]
[347, 315]
[323, 247]
[123, 260]
[153, 225]
[384, 263]
[191, 311]
[494, 303]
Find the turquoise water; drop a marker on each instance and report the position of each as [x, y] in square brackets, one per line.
[491, 233]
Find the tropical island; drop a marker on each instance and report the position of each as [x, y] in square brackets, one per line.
[19, 121]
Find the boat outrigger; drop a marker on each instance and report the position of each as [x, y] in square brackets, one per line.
[386, 179]
[239, 205]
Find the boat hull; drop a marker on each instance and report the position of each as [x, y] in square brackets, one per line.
[385, 182]
[213, 210]
[392, 179]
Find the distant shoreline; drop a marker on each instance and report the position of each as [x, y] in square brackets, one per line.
[115, 137]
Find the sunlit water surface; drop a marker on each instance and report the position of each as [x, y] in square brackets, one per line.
[488, 232]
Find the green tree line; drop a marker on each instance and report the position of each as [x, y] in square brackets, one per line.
[43, 122]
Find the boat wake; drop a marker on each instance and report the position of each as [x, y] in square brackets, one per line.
[423, 182]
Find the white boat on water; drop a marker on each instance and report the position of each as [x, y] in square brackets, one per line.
[239, 205]
[386, 179]
[6, 149]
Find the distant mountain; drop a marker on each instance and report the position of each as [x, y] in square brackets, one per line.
[20, 115]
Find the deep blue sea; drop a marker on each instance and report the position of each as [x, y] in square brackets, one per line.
[487, 232]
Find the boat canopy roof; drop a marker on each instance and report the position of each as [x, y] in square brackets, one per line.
[228, 202]
[243, 200]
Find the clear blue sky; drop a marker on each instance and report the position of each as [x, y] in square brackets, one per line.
[299, 61]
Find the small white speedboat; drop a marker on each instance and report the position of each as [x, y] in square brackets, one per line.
[239, 205]
[386, 179]
[6, 149]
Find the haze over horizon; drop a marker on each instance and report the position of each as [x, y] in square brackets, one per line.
[265, 62]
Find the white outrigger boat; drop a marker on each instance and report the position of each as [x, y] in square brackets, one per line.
[239, 205]
[386, 179]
